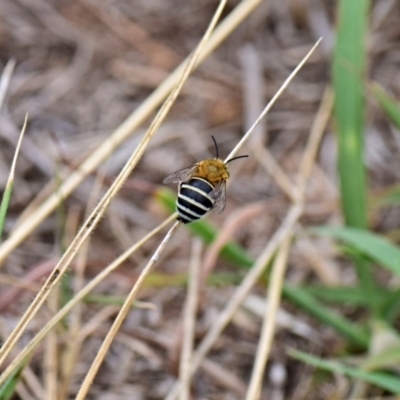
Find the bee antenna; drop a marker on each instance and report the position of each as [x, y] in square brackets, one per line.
[216, 146]
[235, 158]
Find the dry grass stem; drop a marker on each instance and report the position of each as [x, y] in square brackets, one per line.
[124, 130]
[121, 316]
[268, 329]
[271, 102]
[102, 206]
[77, 298]
[189, 319]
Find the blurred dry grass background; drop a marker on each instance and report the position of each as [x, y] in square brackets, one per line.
[81, 68]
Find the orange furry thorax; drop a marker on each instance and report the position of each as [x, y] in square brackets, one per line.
[213, 170]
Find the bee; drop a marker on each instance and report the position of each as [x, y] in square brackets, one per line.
[202, 187]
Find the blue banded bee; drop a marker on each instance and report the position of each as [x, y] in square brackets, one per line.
[201, 187]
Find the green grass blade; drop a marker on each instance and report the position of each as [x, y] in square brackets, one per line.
[371, 245]
[348, 71]
[390, 308]
[388, 104]
[8, 388]
[353, 332]
[349, 295]
[8, 190]
[4, 204]
[383, 380]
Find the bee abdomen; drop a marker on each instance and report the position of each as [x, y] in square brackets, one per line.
[193, 199]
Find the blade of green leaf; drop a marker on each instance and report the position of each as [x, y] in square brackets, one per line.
[387, 103]
[352, 331]
[8, 388]
[8, 189]
[348, 71]
[381, 379]
[372, 245]
[352, 295]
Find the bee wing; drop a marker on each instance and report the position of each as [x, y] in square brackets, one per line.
[219, 195]
[182, 175]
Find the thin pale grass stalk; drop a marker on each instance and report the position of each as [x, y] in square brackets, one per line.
[272, 102]
[5, 80]
[241, 292]
[87, 382]
[91, 222]
[50, 361]
[73, 342]
[125, 129]
[10, 181]
[189, 319]
[276, 283]
[268, 328]
[77, 298]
